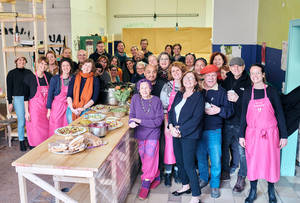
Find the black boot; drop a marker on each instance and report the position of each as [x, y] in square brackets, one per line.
[271, 193]
[252, 194]
[168, 179]
[22, 146]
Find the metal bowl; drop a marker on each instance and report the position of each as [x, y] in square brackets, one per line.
[98, 129]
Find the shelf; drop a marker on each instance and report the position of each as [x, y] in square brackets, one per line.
[11, 17]
[21, 49]
[14, 1]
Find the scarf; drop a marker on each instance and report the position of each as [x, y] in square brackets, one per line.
[86, 93]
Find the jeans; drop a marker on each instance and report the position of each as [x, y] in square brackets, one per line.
[230, 139]
[69, 114]
[18, 103]
[210, 144]
[185, 151]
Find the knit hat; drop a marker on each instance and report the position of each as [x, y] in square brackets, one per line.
[237, 61]
[209, 69]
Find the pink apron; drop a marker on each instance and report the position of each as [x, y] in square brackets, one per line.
[59, 107]
[262, 140]
[38, 127]
[169, 157]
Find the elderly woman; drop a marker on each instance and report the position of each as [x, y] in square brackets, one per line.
[16, 93]
[167, 95]
[140, 69]
[83, 91]
[57, 97]
[164, 60]
[217, 108]
[37, 123]
[146, 116]
[185, 124]
[263, 132]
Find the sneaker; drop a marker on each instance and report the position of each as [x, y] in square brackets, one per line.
[215, 193]
[225, 176]
[144, 191]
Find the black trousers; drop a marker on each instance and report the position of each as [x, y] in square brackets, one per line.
[185, 154]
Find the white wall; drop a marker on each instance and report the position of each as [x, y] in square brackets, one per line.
[235, 21]
[115, 25]
[87, 17]
[58, 25]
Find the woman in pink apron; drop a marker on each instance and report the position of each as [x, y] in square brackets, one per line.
[263, 133]
[37, 124]
[167, 96]
[57, 97]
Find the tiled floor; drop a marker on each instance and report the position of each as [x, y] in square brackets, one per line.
[287, 189]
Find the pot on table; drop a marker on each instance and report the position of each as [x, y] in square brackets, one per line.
[98, 129]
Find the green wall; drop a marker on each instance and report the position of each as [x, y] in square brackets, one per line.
[273, 21]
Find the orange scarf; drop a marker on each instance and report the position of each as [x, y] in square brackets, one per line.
[86, 93]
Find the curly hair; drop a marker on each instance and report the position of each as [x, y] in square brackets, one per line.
[177, 64]
[213, 55]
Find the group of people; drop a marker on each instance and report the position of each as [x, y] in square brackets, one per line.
[184, 111]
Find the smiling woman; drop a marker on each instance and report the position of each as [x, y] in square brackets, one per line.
[185, 124]
[37, 84]
[83, 91]
[264, 137]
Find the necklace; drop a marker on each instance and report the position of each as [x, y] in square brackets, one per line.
[143, 106]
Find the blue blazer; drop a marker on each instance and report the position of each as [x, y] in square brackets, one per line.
[190, 120]
[54, 89]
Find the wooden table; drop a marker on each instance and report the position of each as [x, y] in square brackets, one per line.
[103, 174]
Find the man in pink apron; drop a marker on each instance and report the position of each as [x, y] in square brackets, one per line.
[37, 123]
[57, 98]
[263, 119]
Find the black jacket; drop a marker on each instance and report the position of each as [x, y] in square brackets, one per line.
[239, 85]
[95, 56]
[291, 107]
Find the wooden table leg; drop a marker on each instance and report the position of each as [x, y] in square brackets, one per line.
[22, 188]
[57, 186]
[93, 193]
